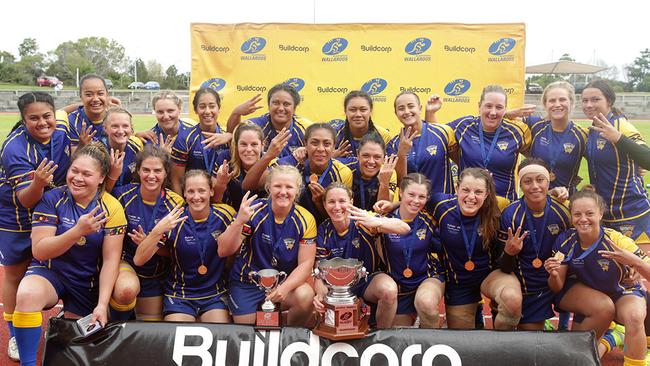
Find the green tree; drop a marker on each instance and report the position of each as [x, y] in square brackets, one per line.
[141, 68]
[7, 67]
[566, 57]
[28, 47]
[155, 70]
[638, 73]
[91, 54]
[172, 79]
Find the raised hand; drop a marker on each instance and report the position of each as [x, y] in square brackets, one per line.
[383, 207]
[364, 218]
[278, 143]
[619, 255]
[405, 141]
[434, 104]
[248, 106]
[91, 222]
[561, 193]
[166, 144]
[173, 218]
[300, 154]
[86, 134]
[215, 139]
[317, 192]
[147, 135]
[116, 160]
[137, 236]
[343, 151]
[387, 169]
[524, 111]
[606, 130]
[246, 209]
[44, 173]
[224, 175]
[515, 241]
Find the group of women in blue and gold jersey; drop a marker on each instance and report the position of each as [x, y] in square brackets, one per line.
[169, 223]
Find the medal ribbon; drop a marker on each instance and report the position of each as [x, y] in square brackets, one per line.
[534, 236]
[555, 152]
[322, 177]
[407, 250]
[270, 228]
[470, 244]
[200, 232]
[487, 155]
[147, 225]
[591, 248]
[422, 144]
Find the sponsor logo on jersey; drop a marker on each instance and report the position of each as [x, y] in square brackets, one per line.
[432, 149]
[568, 147]
[554, 229]
[289, 243]
[421, 234]
[503, 145]
[604, 264]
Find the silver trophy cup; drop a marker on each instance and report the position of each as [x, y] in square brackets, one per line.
[267, 280]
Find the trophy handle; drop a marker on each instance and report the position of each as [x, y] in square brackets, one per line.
[315, 272]
[281, 277]
[251, 276]
[363, 273]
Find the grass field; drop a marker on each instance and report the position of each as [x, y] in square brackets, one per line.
[145, 121]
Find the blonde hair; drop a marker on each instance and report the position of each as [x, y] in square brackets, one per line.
[571, 91]
[285, 169]
[169, 95]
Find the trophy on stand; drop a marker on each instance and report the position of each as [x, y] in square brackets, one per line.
[268, 313]
[345, 316]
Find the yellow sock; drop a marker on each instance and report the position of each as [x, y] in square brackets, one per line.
[632, 362]
[608, 347]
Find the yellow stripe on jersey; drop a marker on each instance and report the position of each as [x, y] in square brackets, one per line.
[625, 243]
[115, 211]
[344, 174]
[307, 221]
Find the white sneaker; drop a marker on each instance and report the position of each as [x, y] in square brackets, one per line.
[12, 349]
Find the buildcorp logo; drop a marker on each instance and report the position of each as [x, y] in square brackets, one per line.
[500, 49]
[416, 49]
[296, 83]
[455, 89]
[333, 49]
[252, 47]
[215, 83]
[374, 87]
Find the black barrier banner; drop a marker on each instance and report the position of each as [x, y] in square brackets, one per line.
[159, 343]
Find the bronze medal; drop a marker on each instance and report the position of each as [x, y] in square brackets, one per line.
[81, 241]
[407, 272]
[202, 269]
[313, 178]
[274, 262]
[469, 265]
[537, 263]
[552, 176]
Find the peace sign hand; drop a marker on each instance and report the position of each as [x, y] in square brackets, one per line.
[166, 144]
[116, 160]
[91, 222]
[167, 223]
[137, 236]
[248, 106]
[344, 150]
[387, 169]
[246, 209]
[44, 173]
[405, 141]
[86, 134]
[607, 131]
[515, 242]
[278, 143]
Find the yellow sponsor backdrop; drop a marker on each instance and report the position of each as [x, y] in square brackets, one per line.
[325, 61]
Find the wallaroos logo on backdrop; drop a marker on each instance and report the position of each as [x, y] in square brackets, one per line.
[455, 89]
[374, 87]
[416, 49]
[252, 47]
[215, 83]
[417, 46]
[500, 48]
[333, 49]
[296, 83]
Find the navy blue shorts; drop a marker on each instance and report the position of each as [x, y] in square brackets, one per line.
[360, 288]
[406, 302]
[456, 295]
[244, 298]
[537, 306]
[76, 299]
[15, 247]
[193, 307]
[151, 287]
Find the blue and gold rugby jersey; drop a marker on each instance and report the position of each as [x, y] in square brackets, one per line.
[614, 174]
[193, 243]
[297, 128]
[183, 126]
[513, 138]
[366, 190]
[343, 134]
[558, 220]
[265, 239]
[81, 264]
[234, 193]
[415, 250]
[429, 155]
[189, 152]
[591, 268]
[76, 119]
[357, 242]
[335, 172]
[447, 215]
[147, 215]
[561, 150]
[131, 151]
[20, 157]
